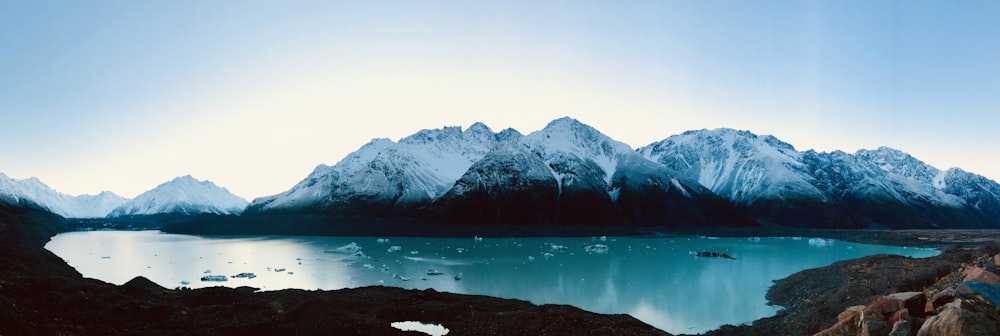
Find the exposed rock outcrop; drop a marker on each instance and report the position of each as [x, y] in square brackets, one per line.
[960, 305]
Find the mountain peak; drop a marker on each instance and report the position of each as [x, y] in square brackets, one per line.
[184, 194]
[479, 127]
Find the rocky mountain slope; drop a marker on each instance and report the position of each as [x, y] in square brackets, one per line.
[183, 195]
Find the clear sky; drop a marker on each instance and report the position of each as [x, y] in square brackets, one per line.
[252, 95]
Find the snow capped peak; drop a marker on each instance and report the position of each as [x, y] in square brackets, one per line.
[739, 165]
[35, 191]
[479, 127]
[567, 136]
[185, 195]
[897, 162]
[419, 167]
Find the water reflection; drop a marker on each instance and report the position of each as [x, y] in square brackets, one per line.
[657, 280]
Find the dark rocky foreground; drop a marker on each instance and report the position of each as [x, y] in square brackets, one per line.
[42, 295]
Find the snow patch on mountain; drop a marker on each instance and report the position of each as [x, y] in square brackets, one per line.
[33, 190]
[183, 195]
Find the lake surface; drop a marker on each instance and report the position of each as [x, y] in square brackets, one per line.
[657, 280]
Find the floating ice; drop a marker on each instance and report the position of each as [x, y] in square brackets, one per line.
[595, 248]
[247, 275]
[214, 278]
[820, 242]
[555, 247]
[382, 240]
[394, 248]
[478, 238]
[349, 248]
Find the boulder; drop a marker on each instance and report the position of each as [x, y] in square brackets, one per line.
[978, 274]
[848, 323]
[884, 306]
[996, 260]
[943, 297]
[962, 317]
[874, 327]
[915, 302]
[901, 328]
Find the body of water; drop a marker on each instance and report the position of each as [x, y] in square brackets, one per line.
[658, 280]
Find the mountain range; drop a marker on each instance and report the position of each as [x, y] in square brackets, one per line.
[184, 195]
[569, 174]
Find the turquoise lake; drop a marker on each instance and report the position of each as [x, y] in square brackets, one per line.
[657, 280]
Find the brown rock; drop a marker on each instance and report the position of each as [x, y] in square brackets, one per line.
[913, 301]
[996, 260]
[978, 274]
[848, 323]
[885, 306]
[943, 297]
[956, 319]
[899, 315]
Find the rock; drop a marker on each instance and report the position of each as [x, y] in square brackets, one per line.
[978, 274]
[996, 260]
[885, 306]
[962, 317]
[900, 315]
[913, 301]
[901, 328]
[943, 297]
[873, 327]
[848, 323]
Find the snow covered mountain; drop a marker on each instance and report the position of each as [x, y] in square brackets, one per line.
[776, 183]
[571, 174]
[183, 195]
[33, 192]
[391, 175]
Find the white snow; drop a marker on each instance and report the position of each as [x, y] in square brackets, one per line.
[83, 206]
[422, 167]
[739, 165]
[185, 195]
[569, 136]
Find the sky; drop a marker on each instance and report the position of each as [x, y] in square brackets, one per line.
[252, 95]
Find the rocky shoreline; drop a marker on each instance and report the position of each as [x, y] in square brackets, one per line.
[41, 295]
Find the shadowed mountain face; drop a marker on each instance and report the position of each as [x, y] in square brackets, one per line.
[571, 175]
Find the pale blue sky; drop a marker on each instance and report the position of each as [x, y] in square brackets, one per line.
[124, 95]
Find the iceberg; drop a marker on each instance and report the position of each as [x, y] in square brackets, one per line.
[820, 242]
[595, 248]
[247, 275]
[351, 248]
[214, 278]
